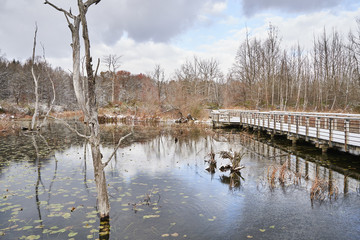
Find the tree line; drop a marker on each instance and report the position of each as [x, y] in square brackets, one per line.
[264, 76]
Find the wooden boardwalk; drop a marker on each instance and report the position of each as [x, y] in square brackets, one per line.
[323, 129]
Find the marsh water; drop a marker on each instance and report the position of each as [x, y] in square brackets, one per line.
[159, 187]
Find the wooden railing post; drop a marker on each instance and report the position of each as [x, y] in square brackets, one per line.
[317, 125]
[228, 117]
[330, 131]
[263, 119]
[346, 131]
[289, 123]
[268, 117]
[297, 124]
[274, 126]
[281, 122]
[307, 125]
[326, 123]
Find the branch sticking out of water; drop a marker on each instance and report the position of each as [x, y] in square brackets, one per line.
[235, 159]
[116, 148]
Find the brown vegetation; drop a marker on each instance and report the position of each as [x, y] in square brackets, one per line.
[322, 190]
[282, 175]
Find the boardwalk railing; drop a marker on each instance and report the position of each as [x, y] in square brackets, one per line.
[324, 129]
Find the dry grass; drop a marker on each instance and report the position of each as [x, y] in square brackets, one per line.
[7, 126]
[322, 190]
[271, 175]
[282, 175]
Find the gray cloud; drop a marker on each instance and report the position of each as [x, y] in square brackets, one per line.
[251, 7]
[143, 20]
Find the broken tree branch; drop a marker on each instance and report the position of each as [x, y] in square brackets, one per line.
[116, 148]
[70, 127]
[53, 89]
[68, 14]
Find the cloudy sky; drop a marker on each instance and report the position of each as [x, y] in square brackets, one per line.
[167, 32]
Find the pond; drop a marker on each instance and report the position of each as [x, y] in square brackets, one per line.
[159, 187]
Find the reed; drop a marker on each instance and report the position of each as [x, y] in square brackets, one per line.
[322, 190]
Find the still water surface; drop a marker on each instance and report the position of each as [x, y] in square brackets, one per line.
[159, 188]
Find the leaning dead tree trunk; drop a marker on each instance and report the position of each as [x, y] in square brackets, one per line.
[100, 180]
[87, 98]
[36, 82]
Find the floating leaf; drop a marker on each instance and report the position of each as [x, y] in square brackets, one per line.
[249, 236]
[262, 230]
[33, 237]
[150, 216]
[272, 227]
[72, 234]
[66, 215]
[27, 227]
[165, 235]
[174, 234]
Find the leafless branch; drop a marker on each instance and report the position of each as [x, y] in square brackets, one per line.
[67, 14]
[97, 67]
[53, 89]
[70, 127]
[116, 148]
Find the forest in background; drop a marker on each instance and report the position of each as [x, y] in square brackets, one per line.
[264, 76]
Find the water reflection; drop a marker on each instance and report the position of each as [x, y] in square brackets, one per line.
[159, 187]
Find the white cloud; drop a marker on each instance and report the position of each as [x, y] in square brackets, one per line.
[303, 28]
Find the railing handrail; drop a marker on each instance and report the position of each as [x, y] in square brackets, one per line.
[304, 114]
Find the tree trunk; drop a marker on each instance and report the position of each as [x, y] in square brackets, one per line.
[100, 180]
[36, 111]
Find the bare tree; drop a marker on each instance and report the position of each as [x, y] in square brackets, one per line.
[36, 82]
[88, 106]
[112, 62]
[158, 77]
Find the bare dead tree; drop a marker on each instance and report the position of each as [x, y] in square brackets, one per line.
[158, 77]
[36, 82]
[89, 105]
[112, 62]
